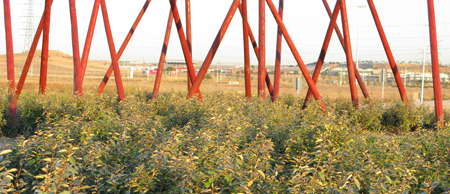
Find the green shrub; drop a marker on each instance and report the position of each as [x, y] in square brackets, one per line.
[225, 144]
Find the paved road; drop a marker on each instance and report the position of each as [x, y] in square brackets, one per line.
[445, 103]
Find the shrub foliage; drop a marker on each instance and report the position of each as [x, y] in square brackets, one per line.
[225, 144]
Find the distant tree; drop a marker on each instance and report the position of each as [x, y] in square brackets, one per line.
[170, 69]
[296, 72]
[208, 76]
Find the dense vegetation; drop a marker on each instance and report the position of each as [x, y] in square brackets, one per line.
[224, 144]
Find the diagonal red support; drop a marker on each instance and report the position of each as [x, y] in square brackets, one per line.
[112, 49]
[387, 48]
[78, 87]
[184, 45]
[323, 51]
[276, 80]
[162, 58]
[348, 51]
[124, 45]
[294, 51]
[435, 65]
[341, 39]
[201, 74]
[45, 45]
[30, 56]
[89, 37]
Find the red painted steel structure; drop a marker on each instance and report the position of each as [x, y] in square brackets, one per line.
[186, 42]
[348, 52]
[195, 90]
[184, 45]
[162, 58]
[276, 79]
[89, 37]
[10, 57]
[112, 50]
[124, 45]
[294, 51]
[262, 49]
[78, 82]
[248, 87]
[189, 35]
[45, 45]
[395, 71]
[435, 64]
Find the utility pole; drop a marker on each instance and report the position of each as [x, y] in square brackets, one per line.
[29, 32]
[383, 78]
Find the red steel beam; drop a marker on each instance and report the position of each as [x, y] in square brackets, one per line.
[124, 45]
[78, 85]
[248, 87]
[10, 57]
[45, 44]
[262, 49]
[435, 65]
[207, 62]
[387, 48]
[112, 50]
[256, 49]
[189, 35]
[89, 37]
[162, 58]
[324, 50]
[294, 51]
[30, 56]
[184, 45]
[348, 51]
[276, 79]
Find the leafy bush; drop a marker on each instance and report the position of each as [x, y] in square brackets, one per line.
[225, 144]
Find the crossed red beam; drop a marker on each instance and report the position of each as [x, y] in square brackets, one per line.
[194, 81]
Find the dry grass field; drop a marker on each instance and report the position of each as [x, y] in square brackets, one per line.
[60, 79]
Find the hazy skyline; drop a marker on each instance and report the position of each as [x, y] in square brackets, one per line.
[404, 23]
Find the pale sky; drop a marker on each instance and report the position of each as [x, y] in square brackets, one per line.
[306, 20]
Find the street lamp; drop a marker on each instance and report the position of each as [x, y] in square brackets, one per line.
[423, 64]
[357, 37]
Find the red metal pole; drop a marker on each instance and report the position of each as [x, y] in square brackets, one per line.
[201, 74]
[112, 49]
[184, 45]
[89, 37]
[162, 58]
[276, 79]
[10, 58]
[248, 86]
[294, 51]
[45, 44]
[435, 65]
[324, 50]
[30, 56]
[348, 51]
[262, 49]
[78, 85]
[189, 35]
[256, 49]
[124, 45]
[387, 48]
